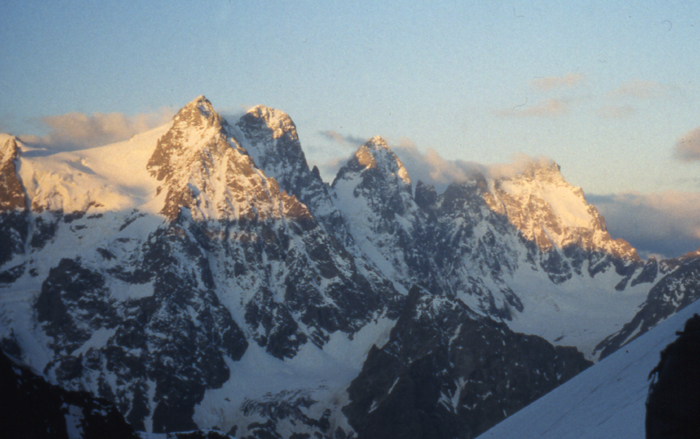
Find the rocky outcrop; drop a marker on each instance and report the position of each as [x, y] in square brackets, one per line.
[447, 372]
[270, 137]
[12, 196]
[31, 407]
[13, 204]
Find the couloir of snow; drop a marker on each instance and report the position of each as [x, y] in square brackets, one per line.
[604, 401]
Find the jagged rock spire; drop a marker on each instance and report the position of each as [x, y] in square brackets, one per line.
[270, 137]
[12, 194]
[191, 125]
[376, 154]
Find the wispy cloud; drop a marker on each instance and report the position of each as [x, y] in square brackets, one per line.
[665, 223]
[78, 130]
[346, 140]
[547, 109]
[616, 111]
[431, 168]
[557, 82]
[688, 147]
[428, 167]
[642, 90]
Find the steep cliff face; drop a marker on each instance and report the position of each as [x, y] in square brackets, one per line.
[12, 195]
[521, 246]
[270, 137]
[375, 198]
[205, 172]
[13, 202]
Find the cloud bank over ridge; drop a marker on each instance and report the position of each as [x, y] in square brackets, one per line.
[79, 130]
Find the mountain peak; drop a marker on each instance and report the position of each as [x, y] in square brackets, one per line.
[536, 198]
[376, 154]
[199, 114]
[200, 102]
[269, 135]
[276, 120]
[543, 170]
[11, 190]
[194, 122]
[9, 149]
[377, 142]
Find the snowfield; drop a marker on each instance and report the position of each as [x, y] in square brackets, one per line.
[605, 401]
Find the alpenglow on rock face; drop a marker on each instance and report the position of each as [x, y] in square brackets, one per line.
[11, 192]
[202, 275]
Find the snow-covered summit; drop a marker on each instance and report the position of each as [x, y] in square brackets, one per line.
[375, 153]
[277, 121]
[375, 198]
[193, 127]
[271, 139]
[552, 213]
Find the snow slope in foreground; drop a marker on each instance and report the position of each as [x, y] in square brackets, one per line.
[605, 401]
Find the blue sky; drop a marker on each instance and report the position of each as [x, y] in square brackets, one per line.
[609, 90]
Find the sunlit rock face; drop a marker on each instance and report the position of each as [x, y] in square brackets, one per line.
[555, 216]
[209, 174]
[12, 195]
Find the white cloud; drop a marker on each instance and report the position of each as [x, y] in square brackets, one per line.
[78, 130]
[430, 168]
[666, 224]
[345, 140]
[557, 82]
